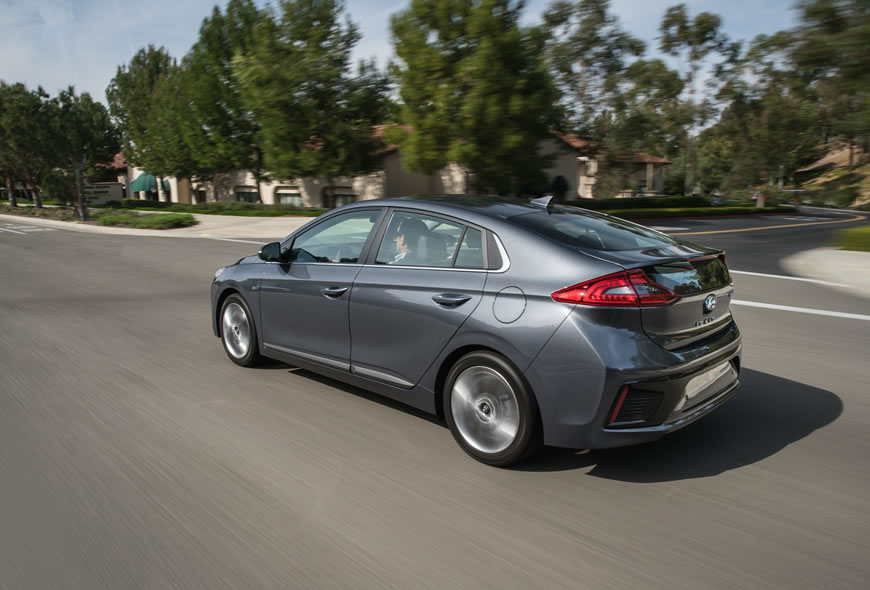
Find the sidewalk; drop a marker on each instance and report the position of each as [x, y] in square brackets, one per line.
[208, 226]
[843, 270]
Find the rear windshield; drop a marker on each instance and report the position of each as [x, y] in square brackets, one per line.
[584, 229]
[690, 276]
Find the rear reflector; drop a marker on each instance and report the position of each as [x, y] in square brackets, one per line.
[623, 289]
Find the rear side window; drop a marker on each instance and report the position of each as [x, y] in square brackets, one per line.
[470, 254]
[591, 230]
[415, 239]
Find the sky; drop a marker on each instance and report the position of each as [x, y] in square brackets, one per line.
[57, 43]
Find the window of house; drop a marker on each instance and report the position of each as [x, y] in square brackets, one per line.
[246, 194]
[344, 195]
[288, 196]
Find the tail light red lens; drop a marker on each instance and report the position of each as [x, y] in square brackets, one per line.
[622, 289]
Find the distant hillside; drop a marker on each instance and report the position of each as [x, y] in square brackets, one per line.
[832, 180]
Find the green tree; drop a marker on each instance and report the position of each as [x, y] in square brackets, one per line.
[169, 154]
[130, 95]
[86, 137]
[220, 129]
[474, 89]
[315, 116]
[693, 41]
[27, 120]
[830, 56]
[588, 52]
[642, 114]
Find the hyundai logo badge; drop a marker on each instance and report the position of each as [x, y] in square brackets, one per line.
[709, 303]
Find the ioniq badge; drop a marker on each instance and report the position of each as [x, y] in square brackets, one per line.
[709, 303]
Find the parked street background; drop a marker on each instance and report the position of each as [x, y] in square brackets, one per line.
[133, 454]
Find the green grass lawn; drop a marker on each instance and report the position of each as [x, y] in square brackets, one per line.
[856, 238]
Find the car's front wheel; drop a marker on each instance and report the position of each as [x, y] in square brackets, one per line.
[490, 409]
[238, 332]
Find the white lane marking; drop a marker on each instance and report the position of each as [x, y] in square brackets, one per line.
[32, 229]
[666, 229]
[240, 241]
[807, 310]
[12, 231]
[788, 278]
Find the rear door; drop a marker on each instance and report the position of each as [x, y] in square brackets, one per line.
[404, 310]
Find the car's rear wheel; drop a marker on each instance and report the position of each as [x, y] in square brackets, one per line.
[490, 409]
[238, 332]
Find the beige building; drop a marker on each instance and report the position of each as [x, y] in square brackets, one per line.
[574, 163]
[393, 180]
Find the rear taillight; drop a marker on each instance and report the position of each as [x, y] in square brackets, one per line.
[623, 289]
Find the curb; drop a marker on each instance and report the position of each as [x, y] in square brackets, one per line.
[830, 265]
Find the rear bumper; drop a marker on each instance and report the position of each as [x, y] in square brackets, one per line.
[580, 374]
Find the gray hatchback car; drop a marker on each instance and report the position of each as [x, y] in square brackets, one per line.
[518, 322]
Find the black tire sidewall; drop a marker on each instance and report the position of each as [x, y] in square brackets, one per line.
[252, 357]
[528, 434]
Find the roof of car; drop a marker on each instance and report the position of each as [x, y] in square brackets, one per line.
[489, 205]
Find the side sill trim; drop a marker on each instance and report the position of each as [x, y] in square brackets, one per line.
[380, 376]
[310, 357]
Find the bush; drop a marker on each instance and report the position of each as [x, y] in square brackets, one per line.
[856, 238]
[220, 208]
[162, 221]
[640, 203]
[692, 212]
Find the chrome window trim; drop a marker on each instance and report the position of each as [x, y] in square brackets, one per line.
[506, 261]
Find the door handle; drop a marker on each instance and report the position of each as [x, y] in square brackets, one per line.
[333, 292]
[450, 299]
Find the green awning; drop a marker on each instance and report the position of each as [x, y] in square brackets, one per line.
[147, 183]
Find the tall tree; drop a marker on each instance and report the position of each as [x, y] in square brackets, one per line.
[315, 116]
[474, 90]
[130, 96]
[86, 137]
[7, 155]
[588, 52]
[168, 153]
[830, 55]
[27, 119]
[221, 130]
[693, 41]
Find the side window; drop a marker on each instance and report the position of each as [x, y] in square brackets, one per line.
[338, 240]
[470, 253]
[413, 239]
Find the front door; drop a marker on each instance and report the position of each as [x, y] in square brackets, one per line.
[304, 301]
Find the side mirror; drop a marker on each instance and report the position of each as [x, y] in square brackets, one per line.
[270, 252]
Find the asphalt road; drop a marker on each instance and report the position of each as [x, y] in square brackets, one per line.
[133, 454]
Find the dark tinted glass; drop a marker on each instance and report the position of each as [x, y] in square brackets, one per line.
[591, 230]
[470, 253]
[690, 276]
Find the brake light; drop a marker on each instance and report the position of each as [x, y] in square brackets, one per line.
[622, 289]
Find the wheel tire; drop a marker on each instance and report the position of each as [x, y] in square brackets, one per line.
[490, 410]
[238, 332]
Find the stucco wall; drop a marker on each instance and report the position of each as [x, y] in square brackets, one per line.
[399, 182]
